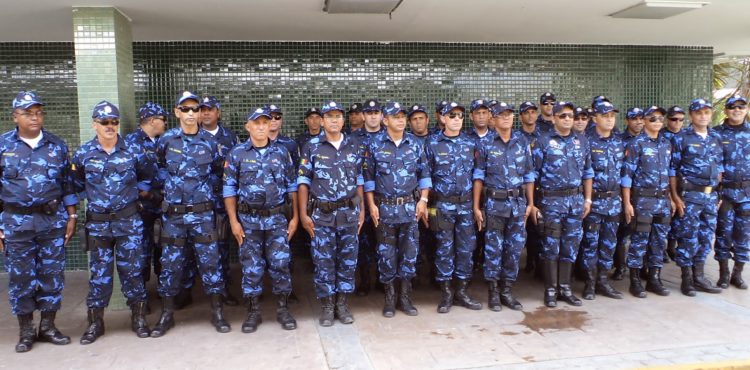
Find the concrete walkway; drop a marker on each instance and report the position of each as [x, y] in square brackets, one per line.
[605, 333]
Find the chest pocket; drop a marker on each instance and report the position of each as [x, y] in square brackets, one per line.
[496, 161]
[384, 166]
[174, 160]
[125, 171]
[94, 172]
[54, 167]
[203, 160]
[10, 167]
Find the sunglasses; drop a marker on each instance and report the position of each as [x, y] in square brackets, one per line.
[107, 122]
[582, 118]
[566, 115]
[185, 109]
[733, 107]
[656, 118]
[548, 103]
[455, 115]
[675, 119]
[276, 118]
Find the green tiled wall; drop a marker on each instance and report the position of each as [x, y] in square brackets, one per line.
[297, 75]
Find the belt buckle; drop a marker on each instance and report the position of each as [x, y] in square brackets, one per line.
[400, 201]
[708, 189]
[189, 208]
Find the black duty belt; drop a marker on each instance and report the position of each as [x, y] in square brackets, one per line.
[562, 193]
[119, 214]
[329, 207]
[688, 186]
[604, 194]
[736, 184]
[398, 201]
[245, 208]
[453, 198]
[181, 209]
[46, 208]
[650, 193]
[502, 194]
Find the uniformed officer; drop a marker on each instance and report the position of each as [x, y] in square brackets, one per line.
[313, 121]
[733, 226]
[450, 158]
[439, 124]
[544, 121]
[504, 174]
[646, 202]
[38, 219]
[601, 224]
[419, 122]
[331, 202]
[695, 172]
[356, 117]
[189, 159]
[528, 114]
[153, 123]
[226, 139]
[396, 188]
[674, 122]
[260, 193]
[562, 160]
[581, 120]
[112, 175]
[480, 119]
[633, 127]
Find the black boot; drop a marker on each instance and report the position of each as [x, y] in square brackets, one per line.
[701, 283]
[723, 281]
[183, 299]
[687, 287]
[446, 298]
[404, 299]
[166, 320]
[654, 283]
[636, 288]
[550, 283]
[389, 306]
[217, 314]
[48, 332]
[506, 296]
[461, 298]
[326, 311]
[283, 316]
[644, 273]
[736, 278]
[618, 273]
[96, 326]
[589, 288]
[603, 287]
[253, 318]
[619, 261]
[565, 292]
[493, 296]
[26, 333]
[363, 289]
[342, 309]
[671, 250]
[138, 322]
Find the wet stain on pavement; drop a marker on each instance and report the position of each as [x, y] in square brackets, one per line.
[528, 358]
[546, 319]
[448, 335]
[509, 333]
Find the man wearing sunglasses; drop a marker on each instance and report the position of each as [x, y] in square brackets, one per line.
[189, 160]
[226, 139]
[38, 219]
[562, 161]
[647, 204]
[546, 103]
[450, 159]
[113, 176]
[695, 172]
[153, 123]
[733, 230]
[580, 120]
[675, 121]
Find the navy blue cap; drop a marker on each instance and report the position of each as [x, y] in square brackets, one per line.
[355, 108]
[273, 108]
[501, 107]
[652, 109]
[699, 104]
[451, 106]
[186, 95]
[417, 108]
[634, 112]
[590, 111]
[492, 102]
[330, 106]
[393, 108]
[579, 111]
[26, 99]
[674, 110]
[598, 99]
[210, 102]
[558, 107]
[478, 103]
[312, 111]
[548, 96]
[371, 105]
[439, 105]
[604, 107]
[526, 106]
[734, 99]
[151, 109]
[105, 110]
[257, 113]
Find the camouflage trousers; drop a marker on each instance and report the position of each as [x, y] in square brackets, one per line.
[334, 253]
[505, 238]
[398, 247]
[127, 251]
[261, 249]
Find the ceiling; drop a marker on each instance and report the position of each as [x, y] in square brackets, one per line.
[724, 24]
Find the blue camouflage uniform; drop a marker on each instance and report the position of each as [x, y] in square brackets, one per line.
[188, 167]
[601, 224]
[110, 183]
[733, 226]
[395, 173]
[504, 168]
[697, 163]
[450, 162]
[261, 179]
[646, 172]
[333, 177]
[35, 187]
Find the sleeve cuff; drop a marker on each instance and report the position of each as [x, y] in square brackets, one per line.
[369, 186]
[425, 183]
[478, 174]
[229, 191]
[303, 180]
[70, 200]
[292, 188]
[144, 186]
[672, 172]
[626, 182]
[360, 180]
